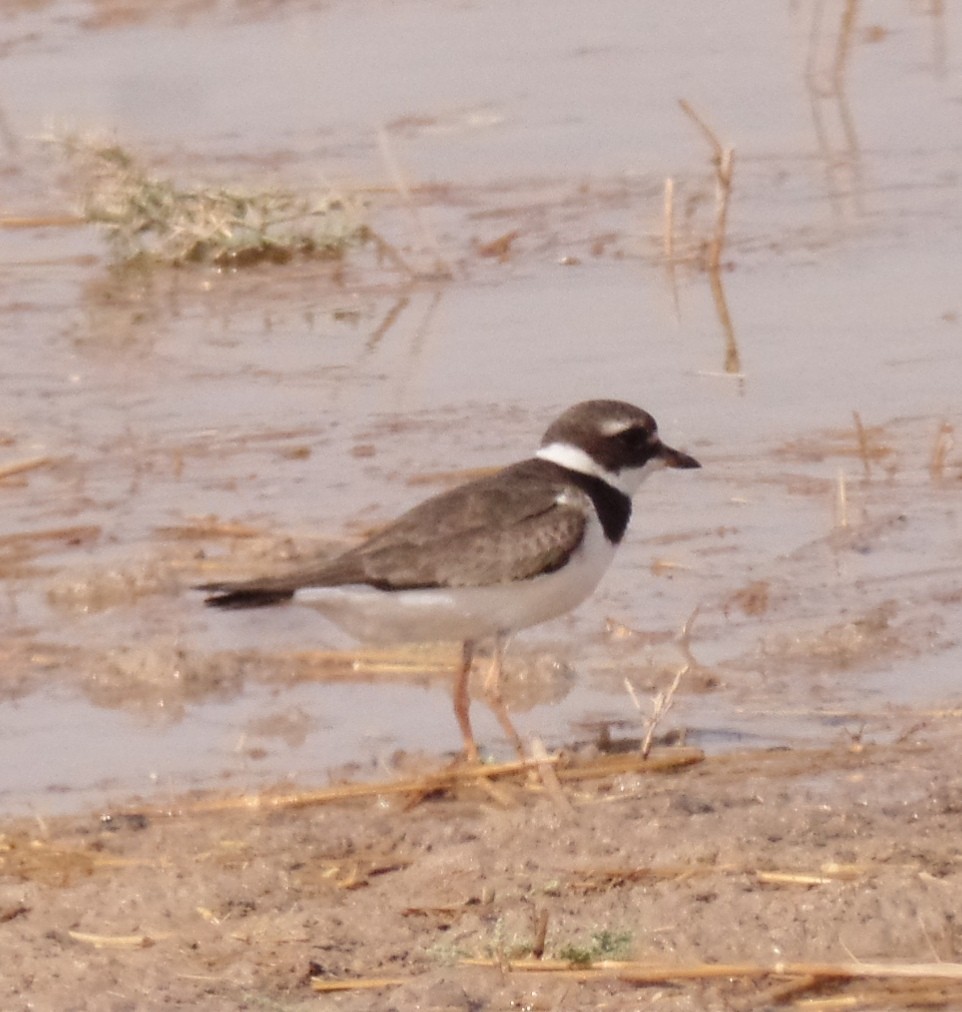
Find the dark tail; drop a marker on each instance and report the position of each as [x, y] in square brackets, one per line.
[224, 595]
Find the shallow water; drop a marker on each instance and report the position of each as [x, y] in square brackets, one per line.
[303, 400]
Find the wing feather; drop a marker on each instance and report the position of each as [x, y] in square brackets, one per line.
[487, 531]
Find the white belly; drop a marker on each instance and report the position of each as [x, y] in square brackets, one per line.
[463, 613]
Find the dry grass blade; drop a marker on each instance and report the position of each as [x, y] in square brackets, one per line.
[864, 450]
[661, 703]
[540, 934]
[724, 163]
[41, 221]
[710, 134]
[669, 202]
[724, 169]
[20, 549]
[804, 878]
[361, 984]
[454, 777]
[631, 762]
[151, 218]
[549, 778]
[781, 992]
[22, 466]
[669, 244]
[724, 173]
[423, 786]
[203, 528]
[892, 994]
[944, 443]
[72, 535]
[841, 500]
[656, 973]
[603, 879]
[116, 941]
[733, 361]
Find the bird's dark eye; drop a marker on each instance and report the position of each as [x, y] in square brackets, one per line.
[635, 438]
[638, 444]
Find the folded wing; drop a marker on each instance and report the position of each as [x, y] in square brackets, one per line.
[485, 532]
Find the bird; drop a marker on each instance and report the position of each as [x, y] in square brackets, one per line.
[487, 558]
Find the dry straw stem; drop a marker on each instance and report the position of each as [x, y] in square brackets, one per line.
[659, 973]
[360, 984]
[202, 528]
[42, 221]
[944, 444]
[723, 160]
[22, 466]
[118, 941]
[549, 777]
[841, 500]
[864, 449]
[449, 779]
[724, 167]
[669, 241]
[784, 763]
[603, 879]
[78, 534]
[670, 220]
[661, 703]
[540, 933]
[805, 976]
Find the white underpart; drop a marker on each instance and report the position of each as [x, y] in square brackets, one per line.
[574, 458]
[465, 613]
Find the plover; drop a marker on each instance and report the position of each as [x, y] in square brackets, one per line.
[489, 557]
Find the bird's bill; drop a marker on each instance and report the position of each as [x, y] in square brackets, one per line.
[675, 458]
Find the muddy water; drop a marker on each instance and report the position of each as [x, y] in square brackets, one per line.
[195, 422]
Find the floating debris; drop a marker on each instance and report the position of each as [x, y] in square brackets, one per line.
[151, 218]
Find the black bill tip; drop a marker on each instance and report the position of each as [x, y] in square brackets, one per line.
[224, 595]
[675, 458]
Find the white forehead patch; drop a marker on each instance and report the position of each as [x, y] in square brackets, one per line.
[614, 426]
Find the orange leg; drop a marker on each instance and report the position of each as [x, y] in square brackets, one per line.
[462, 702]
[492, 693]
